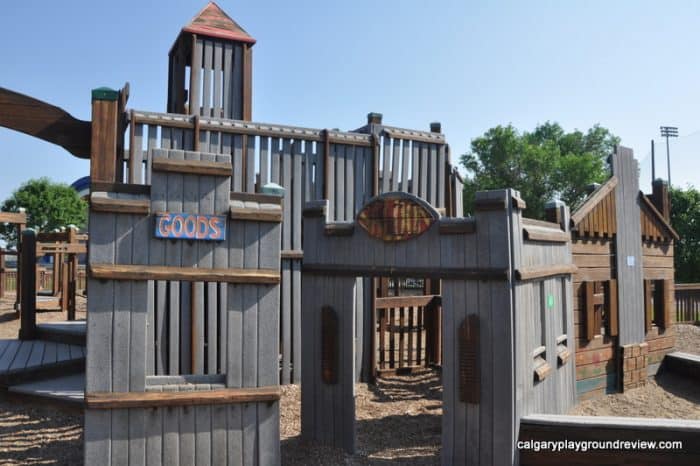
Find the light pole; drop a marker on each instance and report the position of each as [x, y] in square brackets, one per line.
[669, 132]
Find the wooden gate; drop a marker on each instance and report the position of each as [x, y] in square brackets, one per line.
[407, 319]
[183, 322]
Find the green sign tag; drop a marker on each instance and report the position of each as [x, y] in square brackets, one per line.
[550, 301]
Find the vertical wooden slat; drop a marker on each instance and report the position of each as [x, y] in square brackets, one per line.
[648, 305]
[207, 76]
[218, 69]
[386, 165]
[349, 182]
[612, 307]
[228, 80]
[250, 164]
[195, 96]
[668, 307]
[590, 310]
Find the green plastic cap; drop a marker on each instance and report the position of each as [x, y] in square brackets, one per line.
[104, 93]
[273, 188]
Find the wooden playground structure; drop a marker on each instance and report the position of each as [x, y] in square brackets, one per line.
[227, 257]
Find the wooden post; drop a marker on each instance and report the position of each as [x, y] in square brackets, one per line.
[73, 274]
[2, 273]
[660, 198]
[18, 268]
[103, 151]
[27, 329]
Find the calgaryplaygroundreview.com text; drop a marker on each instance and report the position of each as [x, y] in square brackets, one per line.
[588, 445]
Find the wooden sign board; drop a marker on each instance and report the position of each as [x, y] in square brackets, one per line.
[395, 218]
[190, 226]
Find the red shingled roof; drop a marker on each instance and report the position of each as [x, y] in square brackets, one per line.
[213, 22]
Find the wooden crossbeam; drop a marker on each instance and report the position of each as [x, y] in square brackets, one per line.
[13, 217]
[407, 301]
[192, 167]
[157, 272]
[114, 400]
[61, 248]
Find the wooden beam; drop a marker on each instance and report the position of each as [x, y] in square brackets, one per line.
[407, 301]
[157, 272]
[256, 197]
[256, 215]
[13, 217]
[485, 273]
[61, 248]
[544, 271]
[192, 167]
[292, 254]
[533, 233]
[103, 145]
[125, 188]
[122, 400]
[120, 206]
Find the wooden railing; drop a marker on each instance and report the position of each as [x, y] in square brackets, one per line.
[687, 302]
[343, 167]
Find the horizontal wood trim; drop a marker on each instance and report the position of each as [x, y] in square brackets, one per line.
[122, 188]
[688, 286]
[260, 198]
[114, 400]
[598, 342]
[407, 301]
[65, 248]
[339, 229]
[540, 223]
[292, 254]
[386, 271]
[593, 260]
[589, 274]
[544, 271]
[13, 217]
[590, 246]
[192, 167]
[158, 272]
[534, 233]
[657, 262]
[653, 248]
[457, 226]
[653, 273]
[120, 206]
[593, 200]
[256, 215]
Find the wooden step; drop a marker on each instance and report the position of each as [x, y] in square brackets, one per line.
[65, 389]
[30, 360]
[69, 332]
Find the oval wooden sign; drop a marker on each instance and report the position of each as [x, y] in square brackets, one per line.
[395, 218]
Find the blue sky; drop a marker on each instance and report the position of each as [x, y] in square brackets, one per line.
[628, 65]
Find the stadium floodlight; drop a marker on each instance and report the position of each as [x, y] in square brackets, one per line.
[669, 132]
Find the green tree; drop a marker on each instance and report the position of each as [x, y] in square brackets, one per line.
[543, 164]
[685, 218]
[48, 206]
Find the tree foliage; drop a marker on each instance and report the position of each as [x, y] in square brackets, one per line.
[685, 219]
[544, 164]
[48, 206]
